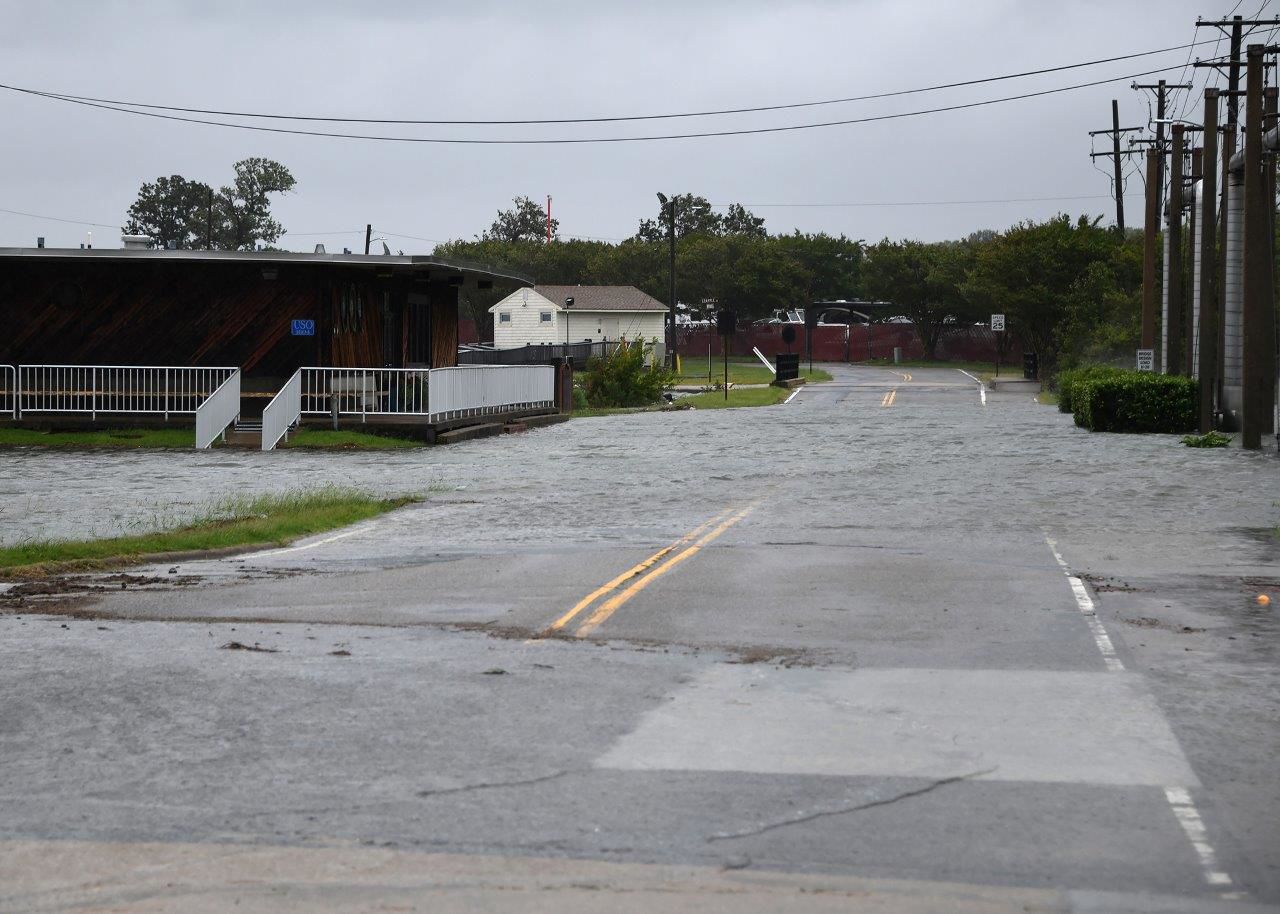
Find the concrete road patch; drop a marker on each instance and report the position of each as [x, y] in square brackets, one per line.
[1065, 727]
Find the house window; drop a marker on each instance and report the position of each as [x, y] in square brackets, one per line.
[504, 317]
[544, 316]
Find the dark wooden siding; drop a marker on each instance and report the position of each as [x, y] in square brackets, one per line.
[192, 313]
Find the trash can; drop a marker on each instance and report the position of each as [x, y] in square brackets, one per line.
[1030, 366]
[897, 355]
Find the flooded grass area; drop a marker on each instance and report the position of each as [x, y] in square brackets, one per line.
[106, 437]
[275, 519]
[345, 439]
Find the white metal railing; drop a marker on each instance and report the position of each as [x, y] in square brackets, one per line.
[220, 409]
[8, 391]
[436, 394]
[476, 390]
[365, 391]
[152, 389]
[282, 412]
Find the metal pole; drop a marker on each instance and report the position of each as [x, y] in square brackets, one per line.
[1150, 294]
[368, 236]
[1173, 269]
[1115, 152]
[1208, 336]
[1259, 323]
[672, 236]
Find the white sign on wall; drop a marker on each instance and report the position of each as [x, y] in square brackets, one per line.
[997, 322]
[1146, 360]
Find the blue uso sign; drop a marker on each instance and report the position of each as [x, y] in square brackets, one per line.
[304, 328]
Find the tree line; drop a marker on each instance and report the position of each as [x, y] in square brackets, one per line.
[1070, 289]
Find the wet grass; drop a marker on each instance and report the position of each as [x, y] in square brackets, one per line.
[1047, 397]
[275, 520]
[106, 437]
[978, 368]
[345, 439]
[751, 396]
[742, 370]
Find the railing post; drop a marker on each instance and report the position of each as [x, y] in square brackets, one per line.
[364, 396]
[93, 395]
[166, 395]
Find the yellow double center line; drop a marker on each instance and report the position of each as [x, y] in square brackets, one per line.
[887, 399]
[645, 573]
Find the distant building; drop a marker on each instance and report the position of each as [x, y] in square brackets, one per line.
[538, 315]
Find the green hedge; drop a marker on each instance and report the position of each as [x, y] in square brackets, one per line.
[1134, 401]
[1069, 381]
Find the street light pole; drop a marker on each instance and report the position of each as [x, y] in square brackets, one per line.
[568, 303]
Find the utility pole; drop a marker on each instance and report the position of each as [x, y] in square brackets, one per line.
[1150, 293]
[1208, 336]
[1162, 90]
[548, 218]
[1190, 303]
[368, 236]
[1171, 358]
[1270, 95]
[1259, 310]
[1115, 154]
[670, 207]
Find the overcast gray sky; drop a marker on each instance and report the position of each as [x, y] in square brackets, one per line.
[495, 60]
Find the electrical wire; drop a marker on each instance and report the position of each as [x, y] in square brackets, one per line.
[15, 212]
[473, 141]
[599, 120]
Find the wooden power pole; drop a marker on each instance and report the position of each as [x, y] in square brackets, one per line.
[1171, 358]
[1150, 282]
[1208, 335]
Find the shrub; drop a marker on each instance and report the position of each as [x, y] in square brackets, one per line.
[1208, 439]
[1069, 381]
[579, 398]
[1135, 401]
[623, 379]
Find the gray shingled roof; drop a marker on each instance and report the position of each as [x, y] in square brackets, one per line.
[602, 298]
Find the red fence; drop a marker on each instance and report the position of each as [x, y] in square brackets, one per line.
[838, 343]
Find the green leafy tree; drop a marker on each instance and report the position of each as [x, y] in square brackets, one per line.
[1029, 273]
[171, 212]
[694, 216]
[175, 212]
[919, 278]
[243, 210]
[525, 221]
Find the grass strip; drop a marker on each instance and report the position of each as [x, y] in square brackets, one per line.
[751, 396]
[741, 371]
[106, 437]
[274, 520]
[345, 439]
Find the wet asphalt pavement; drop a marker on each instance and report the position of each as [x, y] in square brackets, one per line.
[896, 641]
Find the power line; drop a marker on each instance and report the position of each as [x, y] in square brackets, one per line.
[15, 212]
[599, 120]
[472, 141]
[922, 202]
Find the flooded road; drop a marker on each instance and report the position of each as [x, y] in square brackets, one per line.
[895, 640]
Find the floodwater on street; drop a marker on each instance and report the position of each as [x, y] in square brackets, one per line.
[902, 641]
[639, 477]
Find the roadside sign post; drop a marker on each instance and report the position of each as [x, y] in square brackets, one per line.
[997, 326]
[726, 326]
[1146, 360]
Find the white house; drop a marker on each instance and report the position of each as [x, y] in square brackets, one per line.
[539, 315]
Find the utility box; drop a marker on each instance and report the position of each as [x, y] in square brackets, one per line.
[786, 366]
[1030, 366]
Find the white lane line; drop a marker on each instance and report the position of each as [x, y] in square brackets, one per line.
[1088, 610]
[793, 396]
[1184, 809]
[323, 542]
[1179, 797]
[982, 388]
